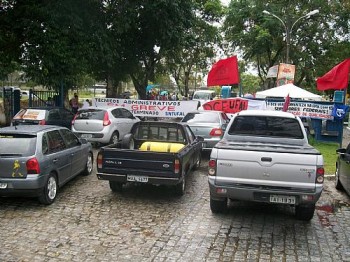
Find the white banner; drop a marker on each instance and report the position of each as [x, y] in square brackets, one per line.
[304, 109]
[150, 108]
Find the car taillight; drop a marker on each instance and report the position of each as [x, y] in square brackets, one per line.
[177, 166]
[42, 122]
[106, 121]
[319, 175]
[216, 132]
[99, 160]
[212, 167]
[33, 166]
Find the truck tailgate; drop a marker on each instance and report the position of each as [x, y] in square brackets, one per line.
[138, 162]
[275, 169]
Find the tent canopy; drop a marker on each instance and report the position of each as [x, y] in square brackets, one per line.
[292, 90]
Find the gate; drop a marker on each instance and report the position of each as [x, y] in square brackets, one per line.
[12, 103]
[43, 98]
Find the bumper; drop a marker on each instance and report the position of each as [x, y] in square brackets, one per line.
[32, 185]
[208, 144]
[151, 180]
[262, 195]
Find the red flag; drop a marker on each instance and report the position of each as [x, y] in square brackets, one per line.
[286, 103]
[224, 72]
[336, 79]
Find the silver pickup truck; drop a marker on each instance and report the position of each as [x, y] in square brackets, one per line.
[264, 156]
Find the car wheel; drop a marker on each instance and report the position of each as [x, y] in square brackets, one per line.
[114, 138]
[338, 184]
[116, 186]
[218, 206]
[305, 212]
[128, 142]
[198, 163]
[180, 187]
[49, 193]
[89, 165]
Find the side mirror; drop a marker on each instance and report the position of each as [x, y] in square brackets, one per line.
[83, 140]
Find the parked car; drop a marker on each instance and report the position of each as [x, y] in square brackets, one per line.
[342, 171]
[57, 116]
[36, 160]
[105, 125]
[210, 125]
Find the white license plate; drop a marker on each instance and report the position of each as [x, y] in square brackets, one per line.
[86, 136]
[3, 185]
[282, 199]
[142, 179]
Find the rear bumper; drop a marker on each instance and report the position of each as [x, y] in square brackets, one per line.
[32, 185]
[151, 180]
[246, 193]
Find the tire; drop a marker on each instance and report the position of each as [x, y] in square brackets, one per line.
[338, 184]
[128, 142]
[89, 165]
[198, 163]
[49, 193]
[114, 138]
[116, 186]
[305, 212]
[218, 206]
[180, 187]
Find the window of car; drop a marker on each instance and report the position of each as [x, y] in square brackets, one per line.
[190, 134]
[56, 142]
[66, 114]
[70, 139]
[17, 144]
[126, 113]
[266, 126]
[201, 118]
[54, 115]
[117, 113]
[94, 114]
[44, 145]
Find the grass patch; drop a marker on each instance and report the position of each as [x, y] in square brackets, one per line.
[329, 155]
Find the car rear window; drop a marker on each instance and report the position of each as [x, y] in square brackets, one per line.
[17, 145]
[201, 118]
[266, 126]
[96, 114]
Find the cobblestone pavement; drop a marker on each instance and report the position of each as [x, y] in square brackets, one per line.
[144, 223]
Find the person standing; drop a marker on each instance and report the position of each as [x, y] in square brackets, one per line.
[74, 103]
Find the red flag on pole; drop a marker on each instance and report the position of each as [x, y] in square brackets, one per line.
[336, 79]
[286, 103]
[224, 72]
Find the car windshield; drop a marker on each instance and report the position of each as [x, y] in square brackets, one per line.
[266, 126]
[17, 145]
[96, 114]
[201, 118]
[204, 96]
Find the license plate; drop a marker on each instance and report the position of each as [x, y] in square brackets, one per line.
[3, 185]
[142, 179]
[86, 136]
[282, 199]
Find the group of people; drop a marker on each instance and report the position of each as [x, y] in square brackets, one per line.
[154, 95]
[74, 103]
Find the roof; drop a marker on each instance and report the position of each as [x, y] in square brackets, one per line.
[265, 113]
[28, 129]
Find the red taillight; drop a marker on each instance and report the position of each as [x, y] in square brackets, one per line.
[106, 121]
[42, 122]
[212, 167]
[177, 166]
[33, 166]
[319, 175]
[216, 132]
[99, 160]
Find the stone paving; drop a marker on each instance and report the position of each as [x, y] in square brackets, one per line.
[144, 223]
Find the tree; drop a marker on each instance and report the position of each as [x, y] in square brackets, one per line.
[260, 37]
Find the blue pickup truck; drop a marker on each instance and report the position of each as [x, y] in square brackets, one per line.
[155, 152]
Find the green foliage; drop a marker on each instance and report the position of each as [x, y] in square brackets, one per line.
[329, 155]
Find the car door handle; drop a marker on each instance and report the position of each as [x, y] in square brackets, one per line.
[55, 160]
[266, 159]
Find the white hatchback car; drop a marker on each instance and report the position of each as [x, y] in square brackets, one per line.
[103, 125]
